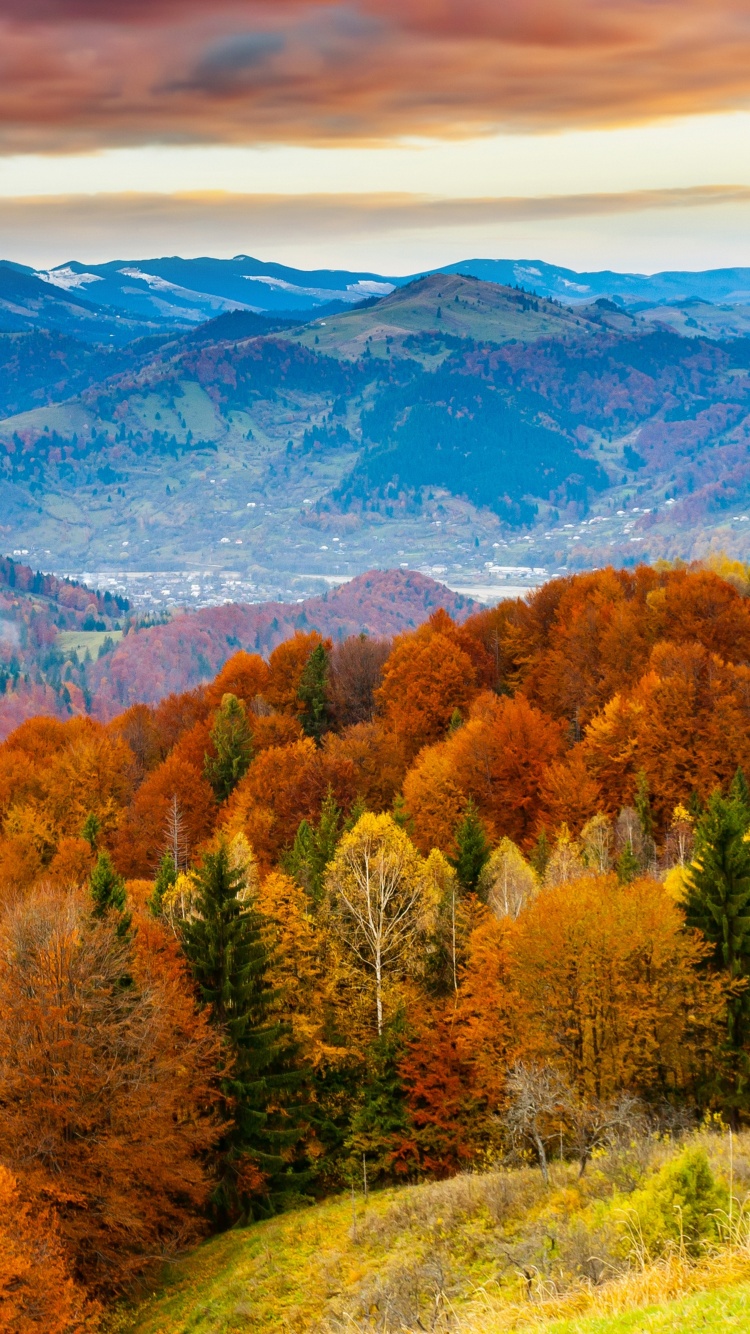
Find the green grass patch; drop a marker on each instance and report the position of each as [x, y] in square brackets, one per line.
[720, 1312]
[81, 642]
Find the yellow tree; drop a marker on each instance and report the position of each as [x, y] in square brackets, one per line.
[507, 882]
[376, 884]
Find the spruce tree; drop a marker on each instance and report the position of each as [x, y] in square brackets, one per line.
[233, 744]
[229, 962]
[313, 694]
[314, 847]
[402, 815]
[718, 899]
[472, 848]
[92, 827]
[166, 878]
[108, 893]
[540, 853]
[739, 792]
[627, 865]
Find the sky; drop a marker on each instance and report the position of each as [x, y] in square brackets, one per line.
[389, 135]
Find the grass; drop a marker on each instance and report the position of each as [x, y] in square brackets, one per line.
[720, 1312]
[82, 641]
[486, 1253]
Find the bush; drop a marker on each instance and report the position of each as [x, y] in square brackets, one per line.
[682, 1205]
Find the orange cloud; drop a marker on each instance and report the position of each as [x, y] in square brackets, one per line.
[84, 73]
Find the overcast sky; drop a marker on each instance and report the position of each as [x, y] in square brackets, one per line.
[384, 134]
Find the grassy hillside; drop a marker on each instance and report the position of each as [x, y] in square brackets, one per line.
[493, 1252]
[446, 304]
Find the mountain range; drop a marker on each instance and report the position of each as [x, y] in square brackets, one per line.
[123, 298]
[472, 430]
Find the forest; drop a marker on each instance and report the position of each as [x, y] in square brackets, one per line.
[472, 895]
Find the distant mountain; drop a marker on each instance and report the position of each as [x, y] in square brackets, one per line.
[454, 425]
[187, 291]
[125, 298]
[719, 286]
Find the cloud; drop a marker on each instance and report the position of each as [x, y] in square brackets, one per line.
[91, 227]
[85, 73]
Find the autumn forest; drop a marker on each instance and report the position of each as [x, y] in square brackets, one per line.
[398, 908]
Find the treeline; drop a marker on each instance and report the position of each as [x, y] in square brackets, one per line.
[395, 906]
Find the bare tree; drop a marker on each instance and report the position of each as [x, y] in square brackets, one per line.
[596, 838]
[595, 1125]
[175, 835]
[536, 1113]
[376, 882]
[355, 671]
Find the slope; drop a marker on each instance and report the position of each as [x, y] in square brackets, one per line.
[466, 1255]
[447, 307]
[185, 291]
[531, 435]
[62, 651]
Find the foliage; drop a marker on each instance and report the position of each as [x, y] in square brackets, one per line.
[375, 883]
[106, 1090]
[223, 942]
[233, 747]
[313, 694]
[472, 848]
[683, 1205]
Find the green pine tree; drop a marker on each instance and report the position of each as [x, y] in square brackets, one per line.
[108, 893]
[233, 746]
[92, 827]
[381, 1119]
[739, 792]
[313, 694]
[356, 811]
[314, 847]
[718, 900]
[472, 848]
[402, 815]
[224, 946]
[166, 877]
[627, 865]
[540, 853]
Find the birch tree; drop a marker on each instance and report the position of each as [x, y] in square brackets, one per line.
[375, 884]
[507, 882]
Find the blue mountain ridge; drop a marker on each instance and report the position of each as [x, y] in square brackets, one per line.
[172, 292]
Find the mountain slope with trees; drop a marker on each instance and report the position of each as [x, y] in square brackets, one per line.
[471, 898]
[507, 429]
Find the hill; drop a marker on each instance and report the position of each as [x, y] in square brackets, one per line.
[466, 1255]
[62, 650]
[449, 307]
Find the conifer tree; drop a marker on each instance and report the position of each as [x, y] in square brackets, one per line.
[472, 848]
[627, 865]
[541, 853]
[166, 877]
[313, 694]
[380, 1120]
[224, 946]
[739, 792]
[233, 744]
[92, 826]
[108, 893]
[314, 847]
[718, 899]
[402, 815]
